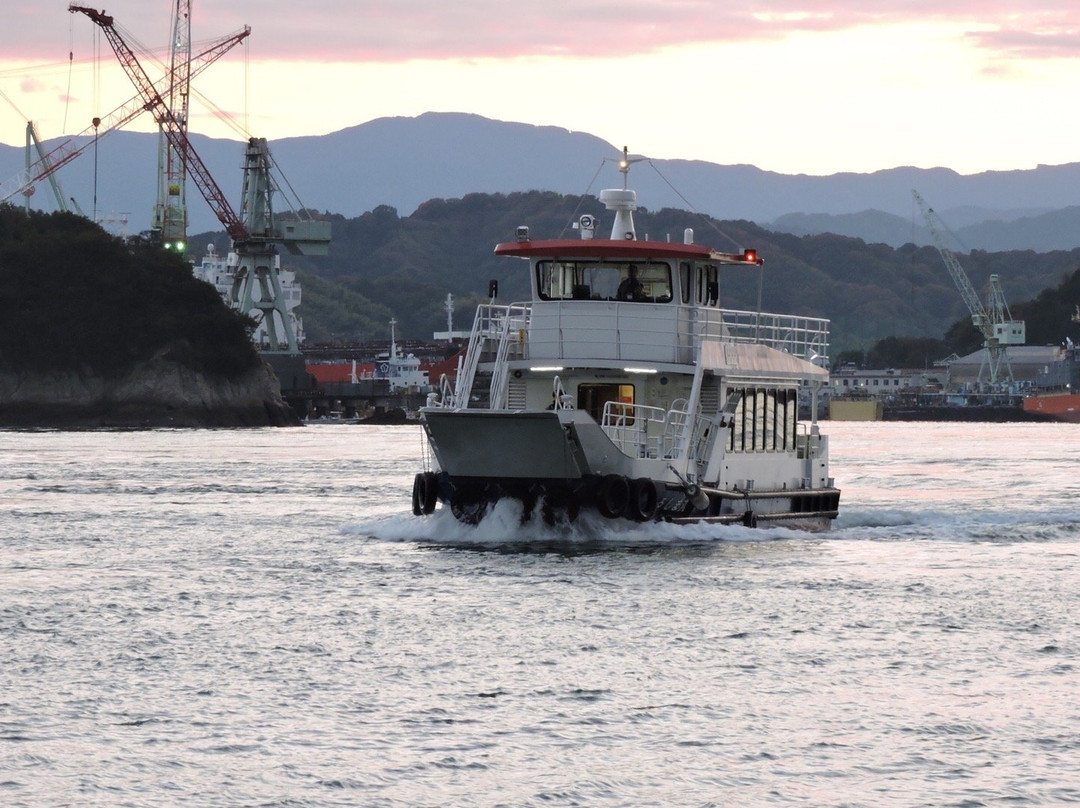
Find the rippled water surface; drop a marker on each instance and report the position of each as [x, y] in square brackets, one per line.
[255, 618]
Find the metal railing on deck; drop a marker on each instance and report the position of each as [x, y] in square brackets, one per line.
[665, 333]
[804, 337]
[639, 430]
[499, 330]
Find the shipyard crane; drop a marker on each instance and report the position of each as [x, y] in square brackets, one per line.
[993, 320]
[33, 144]
[170, 211]
[172, 129]
[255, 236]
[63, 153]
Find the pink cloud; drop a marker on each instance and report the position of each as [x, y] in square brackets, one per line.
[1024, 44]
[398, 30]
[395, 30]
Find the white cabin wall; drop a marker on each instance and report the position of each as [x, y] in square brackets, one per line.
[629, 332]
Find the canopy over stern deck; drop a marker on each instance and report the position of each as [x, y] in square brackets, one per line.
[756, 362]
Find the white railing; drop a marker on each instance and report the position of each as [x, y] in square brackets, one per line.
[642, 431]
[493, 326]
[619, 331]
[664, 333]
[804, 337]
[513, 331]
[447, 395]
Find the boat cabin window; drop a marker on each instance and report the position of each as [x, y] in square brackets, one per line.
[708, 285]
[685, 282]
[593, 397]
[630, 281]
[765, 421]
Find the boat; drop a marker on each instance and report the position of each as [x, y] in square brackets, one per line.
[1054, 392]
[331, 417]
[220, 272]
[403, 370]
[623, 389]
[1056, 406]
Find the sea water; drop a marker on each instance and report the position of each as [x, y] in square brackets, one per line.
[254, 617]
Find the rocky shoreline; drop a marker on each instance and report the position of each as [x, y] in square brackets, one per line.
[152, 394]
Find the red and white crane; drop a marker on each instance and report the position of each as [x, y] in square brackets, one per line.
[67, 150]
[174, 131]
[255, 236]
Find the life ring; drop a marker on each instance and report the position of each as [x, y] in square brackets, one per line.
[469, 504]
[560, 506]
[425, 493]
[613, 496]
[642, 507]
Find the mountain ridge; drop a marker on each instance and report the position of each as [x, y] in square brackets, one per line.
[404, 161]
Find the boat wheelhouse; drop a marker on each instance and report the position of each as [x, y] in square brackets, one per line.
[623, 387]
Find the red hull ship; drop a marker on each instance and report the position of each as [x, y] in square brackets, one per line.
[1054, 394]
[1061, 406]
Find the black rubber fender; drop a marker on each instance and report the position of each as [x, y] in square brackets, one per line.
[643, 500]
[425, 493]
[469, 504]
[560, 505]
[417, 491]
[613, 496]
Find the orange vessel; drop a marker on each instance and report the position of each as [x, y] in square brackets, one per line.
[1054, 393]
[1062, 406]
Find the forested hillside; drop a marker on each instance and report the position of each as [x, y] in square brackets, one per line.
[383, 265]
[76, 298]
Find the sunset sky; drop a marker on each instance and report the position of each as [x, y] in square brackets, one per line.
[795, 86]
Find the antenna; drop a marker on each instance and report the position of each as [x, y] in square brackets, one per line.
[624, 165]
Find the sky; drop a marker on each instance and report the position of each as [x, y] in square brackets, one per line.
[793, 86]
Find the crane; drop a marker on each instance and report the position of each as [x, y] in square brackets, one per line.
[33, 144]
[66, 151]
[172, 129]
[257, 287]
[994, 320]
[170, 212]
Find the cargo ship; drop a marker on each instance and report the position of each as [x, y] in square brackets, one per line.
[1055, 394]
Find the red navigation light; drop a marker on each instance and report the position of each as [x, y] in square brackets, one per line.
[750, 256]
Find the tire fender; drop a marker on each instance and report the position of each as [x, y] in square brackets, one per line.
[560, 506]
[427, 494]
[469, 504]
[417, 494]
[643, 500]
[613, 496]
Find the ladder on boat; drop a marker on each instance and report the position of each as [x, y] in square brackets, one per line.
[497, 330]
